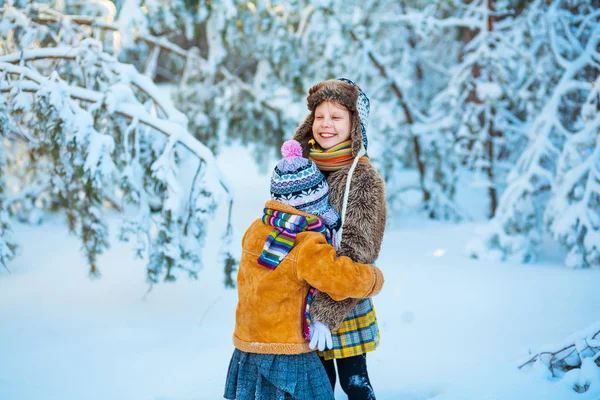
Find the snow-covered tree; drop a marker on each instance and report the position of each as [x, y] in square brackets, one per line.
[7, 246]
[573, 213]
[480, 103]
[418, 77]
[510, 94]
[256, 68]
[178, 22]
[553, 185]
[470, 112]
[84, 131]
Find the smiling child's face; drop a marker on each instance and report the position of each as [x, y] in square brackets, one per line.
[331, 125]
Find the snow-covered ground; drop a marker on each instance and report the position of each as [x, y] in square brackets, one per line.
[451, 328]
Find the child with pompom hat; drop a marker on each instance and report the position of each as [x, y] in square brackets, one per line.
[287, 256]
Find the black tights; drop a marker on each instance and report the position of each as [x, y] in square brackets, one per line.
[354, 378]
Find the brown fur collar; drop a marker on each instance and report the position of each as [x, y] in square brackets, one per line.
[363, 231]
[366, 214]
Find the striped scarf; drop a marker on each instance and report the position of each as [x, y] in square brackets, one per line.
[281, 241]
[334, 158]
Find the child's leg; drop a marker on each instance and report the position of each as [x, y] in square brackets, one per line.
[330, 369]
[354, 378]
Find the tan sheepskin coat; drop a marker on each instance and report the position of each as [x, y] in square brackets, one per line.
[270, 306]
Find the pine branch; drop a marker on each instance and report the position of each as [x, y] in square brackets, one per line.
[141, 83]
[189, 56]
[170, 249]
[32, 84]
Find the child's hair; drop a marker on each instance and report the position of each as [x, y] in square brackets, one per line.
[297, 182]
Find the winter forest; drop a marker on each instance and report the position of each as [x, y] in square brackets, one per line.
[141, 134]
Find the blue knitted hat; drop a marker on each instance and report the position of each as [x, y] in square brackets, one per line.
[297, 182]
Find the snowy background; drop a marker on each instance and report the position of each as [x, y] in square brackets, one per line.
[452, 328]
[158, 122]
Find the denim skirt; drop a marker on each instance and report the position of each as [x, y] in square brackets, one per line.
[276, 377]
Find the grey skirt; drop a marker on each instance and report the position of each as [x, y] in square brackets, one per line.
[276, 377]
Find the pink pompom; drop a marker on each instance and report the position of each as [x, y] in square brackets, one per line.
[291, 148]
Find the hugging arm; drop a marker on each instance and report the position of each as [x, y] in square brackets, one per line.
[339, 276]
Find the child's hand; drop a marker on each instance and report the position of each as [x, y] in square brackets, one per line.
[320, 336]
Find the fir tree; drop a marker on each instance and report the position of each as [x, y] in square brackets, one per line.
[85, 131]
[547, 183]
[7, 246]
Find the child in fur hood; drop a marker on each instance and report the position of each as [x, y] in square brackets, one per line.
[334, 136]
[287, 257]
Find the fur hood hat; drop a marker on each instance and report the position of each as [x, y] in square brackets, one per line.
[346, 93]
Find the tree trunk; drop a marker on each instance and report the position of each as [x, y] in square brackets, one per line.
[489, 147]
[489, 144]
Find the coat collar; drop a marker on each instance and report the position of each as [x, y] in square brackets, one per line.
[279, 206]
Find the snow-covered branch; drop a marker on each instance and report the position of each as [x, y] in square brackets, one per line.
[100, 130]
[174, 125]
[575, 361]
[156, 43]
[140, 82]
[418, 21]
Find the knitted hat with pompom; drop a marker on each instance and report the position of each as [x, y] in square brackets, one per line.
[297, 182]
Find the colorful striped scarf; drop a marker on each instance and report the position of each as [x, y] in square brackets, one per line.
[281, 241]
[334, 158]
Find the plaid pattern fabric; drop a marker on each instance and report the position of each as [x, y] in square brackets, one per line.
[358, 333]
[276, 377]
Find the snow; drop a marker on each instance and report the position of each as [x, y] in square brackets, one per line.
[100, 147]
[489, 91]
[131, 18]
[452, 328]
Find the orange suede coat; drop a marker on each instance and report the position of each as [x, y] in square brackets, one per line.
[270, 306]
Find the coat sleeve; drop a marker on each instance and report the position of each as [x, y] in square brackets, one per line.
[362, 236]
[340, 277]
